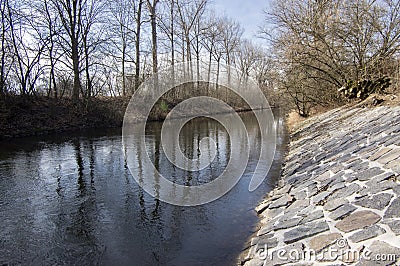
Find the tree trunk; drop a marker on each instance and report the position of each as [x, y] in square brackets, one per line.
[75, 63]
[123, 69]
[137, 44]
[3, 50]
[88, 79]
[153, 22]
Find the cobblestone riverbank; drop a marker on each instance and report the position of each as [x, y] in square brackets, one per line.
[338, 200]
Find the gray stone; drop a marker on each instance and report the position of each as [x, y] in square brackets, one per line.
[307, 165]
[380, 248]
[272, 213]
[360, 167]
[394, 166]
[345, 192]
[342, 212]
[353, 148]
[317, 159]
[367, 233]
[323, 177]
[379, 153]
[379, 138]
[337, 178]
[285, 224]
[344, 158]
[358, 220]
[266, 229]
[379, 201]
[368, 151]
[254, 261]
[290, 169]
[393, 140]
[393, 129]
[304, 231]
[283, 190]
[313, 216]
[281, 202]
[296, 179]
[376, 187]
[320, 197]
[383, 177]
[298, 205]
[337, 169]
[334, 204]
[350, 177]
[300, 195]
[273, 197]
[313, 190]
[262, 206]
[354, 164]
[320, 242]
[394, 209]
[368, 174]
[265, 240]
[307, 210]
[307, 184]
[394, 226]
[396, 189]
[337, 186]
[286, 259]
[289, 214]
[320, 169]
[390, 156]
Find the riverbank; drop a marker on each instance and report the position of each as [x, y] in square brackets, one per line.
[338, 199]
[22, 116]
[29, 116]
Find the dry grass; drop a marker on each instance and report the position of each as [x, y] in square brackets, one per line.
[294, 120]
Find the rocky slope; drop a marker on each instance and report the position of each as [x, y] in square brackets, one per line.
[338, 201]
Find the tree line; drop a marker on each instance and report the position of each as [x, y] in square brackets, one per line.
[87, 48]
[321, 45]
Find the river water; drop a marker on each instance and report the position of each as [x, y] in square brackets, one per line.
[70, 199]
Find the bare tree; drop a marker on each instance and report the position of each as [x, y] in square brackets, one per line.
[70, 12]
[138, 17]
[189, 12]
[91, 31]
[152, 8]
[81, 48]
[333, 42]
[212, 37]
[27, 48]
[50, 27]
[167, 25]
[125, 36]
[5, 64]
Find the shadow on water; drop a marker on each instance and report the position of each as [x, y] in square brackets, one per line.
[70, 199]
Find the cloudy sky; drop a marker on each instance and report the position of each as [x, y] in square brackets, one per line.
[249, 13]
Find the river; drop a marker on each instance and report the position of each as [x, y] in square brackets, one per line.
[70, 199]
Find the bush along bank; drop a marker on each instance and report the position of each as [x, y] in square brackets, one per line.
[29, 115]
[36, 115]
[338, 200]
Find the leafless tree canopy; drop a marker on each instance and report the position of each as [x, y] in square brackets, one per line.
[319, 45]
[86, 48]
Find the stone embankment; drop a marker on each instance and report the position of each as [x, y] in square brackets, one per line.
[338, 201]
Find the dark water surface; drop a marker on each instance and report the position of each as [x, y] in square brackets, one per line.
[70, 199]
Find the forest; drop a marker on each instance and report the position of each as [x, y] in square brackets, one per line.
[88, 48]
[310, 53]
[323, 46]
